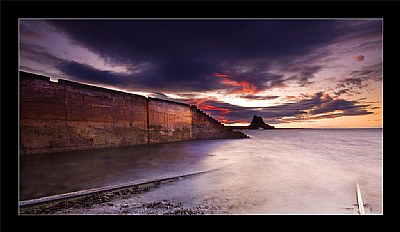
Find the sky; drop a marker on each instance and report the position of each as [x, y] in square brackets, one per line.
[301, 73]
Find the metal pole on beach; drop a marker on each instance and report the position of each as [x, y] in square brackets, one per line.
[360, 201]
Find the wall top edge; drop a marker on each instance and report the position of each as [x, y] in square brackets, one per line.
[24, 74]
[33, 76]
[98, 88]
[169, 101]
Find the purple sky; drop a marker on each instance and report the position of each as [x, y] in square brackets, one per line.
[293, 73]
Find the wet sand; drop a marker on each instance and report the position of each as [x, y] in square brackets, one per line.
[125, 200]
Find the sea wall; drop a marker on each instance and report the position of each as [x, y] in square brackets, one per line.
[169, 121]
[206, 127]
[67, 116]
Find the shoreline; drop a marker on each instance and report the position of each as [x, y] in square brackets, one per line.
[98, 198]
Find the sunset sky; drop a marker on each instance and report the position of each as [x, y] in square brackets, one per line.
[294, 73]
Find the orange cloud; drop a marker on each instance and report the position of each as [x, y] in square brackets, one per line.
[202, 105]
[211, 107]
[197, 102]
[226, 121]
[359, 57]
[220, 75]
[246, 87]
[222, 119]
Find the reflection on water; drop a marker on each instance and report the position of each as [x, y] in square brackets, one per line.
[274, 172]
[49, 174]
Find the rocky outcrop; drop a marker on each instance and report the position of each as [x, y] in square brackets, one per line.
[258, 123]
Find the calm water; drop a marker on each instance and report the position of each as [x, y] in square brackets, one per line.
[274, 172]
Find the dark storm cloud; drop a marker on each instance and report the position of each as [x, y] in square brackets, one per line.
[38, 54]
[327, 104]
[368, 72]
[242, 57]
[312, 107]
[140, 39]
[249, 81]
[259, 97]
[360, 28]
[320, 103]
[149, 81]
[27, 31]
[86, 73]
[304, 74]
[358, 80]
[180, 50]
[370, 45]
[342, 91]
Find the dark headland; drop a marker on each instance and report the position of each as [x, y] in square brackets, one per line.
[258, 123]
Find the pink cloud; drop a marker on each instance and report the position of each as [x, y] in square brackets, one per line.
[206, 105]
[245, 87]
[359, 57]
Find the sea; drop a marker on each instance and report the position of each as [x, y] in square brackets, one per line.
[281, 171]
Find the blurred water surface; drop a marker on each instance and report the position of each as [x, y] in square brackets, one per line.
[304, 171]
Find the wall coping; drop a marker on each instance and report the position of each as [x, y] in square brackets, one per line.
[24, 74]
[169, 101]
[98, 88]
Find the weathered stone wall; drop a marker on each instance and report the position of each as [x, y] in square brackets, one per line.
[169, 121]
[206, 127]
[65, 115]
[42, 115]
[105, 118]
